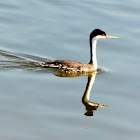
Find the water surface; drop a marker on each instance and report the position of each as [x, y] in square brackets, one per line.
[37, 104]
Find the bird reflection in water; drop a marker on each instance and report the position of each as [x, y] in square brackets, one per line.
[90, 106]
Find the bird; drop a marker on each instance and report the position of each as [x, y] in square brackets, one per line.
[77, 67]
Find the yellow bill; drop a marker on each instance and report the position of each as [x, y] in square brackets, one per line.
[107, 36]
[103, 105]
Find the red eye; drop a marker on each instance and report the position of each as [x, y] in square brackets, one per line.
[103, 35]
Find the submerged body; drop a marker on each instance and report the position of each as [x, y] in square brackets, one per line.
[68, 66]
[72, 66]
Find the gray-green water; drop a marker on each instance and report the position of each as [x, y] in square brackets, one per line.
[36, 104]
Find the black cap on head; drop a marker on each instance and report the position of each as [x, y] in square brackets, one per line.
[95, 33]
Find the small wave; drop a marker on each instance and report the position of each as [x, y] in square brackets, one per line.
[10, 60]
[103, 69]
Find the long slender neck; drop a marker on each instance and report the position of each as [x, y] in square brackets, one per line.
[86, 96]
[93, 58]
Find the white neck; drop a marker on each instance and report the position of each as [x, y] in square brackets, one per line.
[93, 42]
[91, 80]
[93, 58]
[86, 96]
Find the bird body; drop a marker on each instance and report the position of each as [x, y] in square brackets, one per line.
[68, 66]
[74, 67]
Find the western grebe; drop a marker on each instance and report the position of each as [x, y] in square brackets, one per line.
[72, 66]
